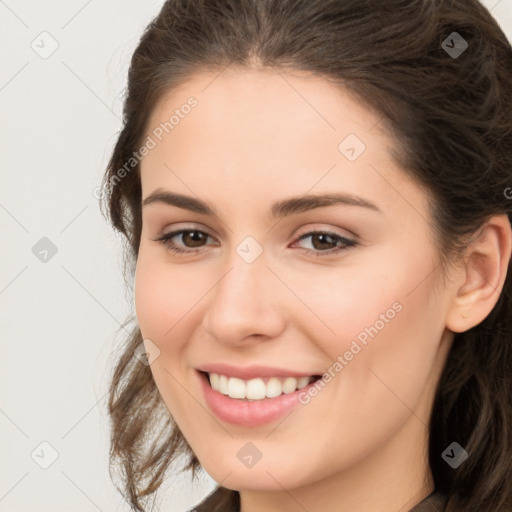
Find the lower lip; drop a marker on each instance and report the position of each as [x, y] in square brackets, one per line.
[249, 414]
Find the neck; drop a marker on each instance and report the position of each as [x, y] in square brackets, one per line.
[396, 477]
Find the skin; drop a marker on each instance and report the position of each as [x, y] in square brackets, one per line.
[257, 137]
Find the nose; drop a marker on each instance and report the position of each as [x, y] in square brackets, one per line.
[244, 305]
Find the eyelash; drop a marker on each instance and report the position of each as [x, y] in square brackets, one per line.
[347, 243]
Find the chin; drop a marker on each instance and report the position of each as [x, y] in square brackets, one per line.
[271, 476]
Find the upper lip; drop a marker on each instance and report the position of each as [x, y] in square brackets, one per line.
[251, 372]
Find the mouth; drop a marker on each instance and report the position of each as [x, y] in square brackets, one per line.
[256, 389]
[254, 402]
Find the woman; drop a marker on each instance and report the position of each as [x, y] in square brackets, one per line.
[258, 136]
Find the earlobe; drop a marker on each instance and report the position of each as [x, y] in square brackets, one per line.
[483, 274]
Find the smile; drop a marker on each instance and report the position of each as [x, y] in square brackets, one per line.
[245, 411]
[259, 388]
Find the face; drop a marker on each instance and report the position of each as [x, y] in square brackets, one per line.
[263, 287]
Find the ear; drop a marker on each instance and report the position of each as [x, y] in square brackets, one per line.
[481, 278]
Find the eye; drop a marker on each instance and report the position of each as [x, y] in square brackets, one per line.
[320, 238]
[193, 240]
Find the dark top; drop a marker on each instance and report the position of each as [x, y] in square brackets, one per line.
[230, 502]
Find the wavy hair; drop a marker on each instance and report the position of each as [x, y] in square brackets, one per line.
[451, 119]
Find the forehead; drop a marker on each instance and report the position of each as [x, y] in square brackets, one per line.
[276, 98]
[262, 133]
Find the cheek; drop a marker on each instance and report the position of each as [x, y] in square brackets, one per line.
[164, 299]
[339, 303]
[163, 295]
[378, 321]
[151, 300]
[380, 295]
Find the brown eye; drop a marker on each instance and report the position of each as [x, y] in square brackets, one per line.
[190, 238]
[323, 242]
[193, 238]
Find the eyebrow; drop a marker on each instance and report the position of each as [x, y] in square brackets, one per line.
[280, 209]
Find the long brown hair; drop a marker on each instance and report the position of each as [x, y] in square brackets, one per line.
[451, 117]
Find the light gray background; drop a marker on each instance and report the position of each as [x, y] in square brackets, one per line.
[59, 318]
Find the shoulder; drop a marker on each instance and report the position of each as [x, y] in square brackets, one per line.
[220, 500]
[226, 500]
[435, 502]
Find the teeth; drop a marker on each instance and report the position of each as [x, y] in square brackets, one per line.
[256, 389]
